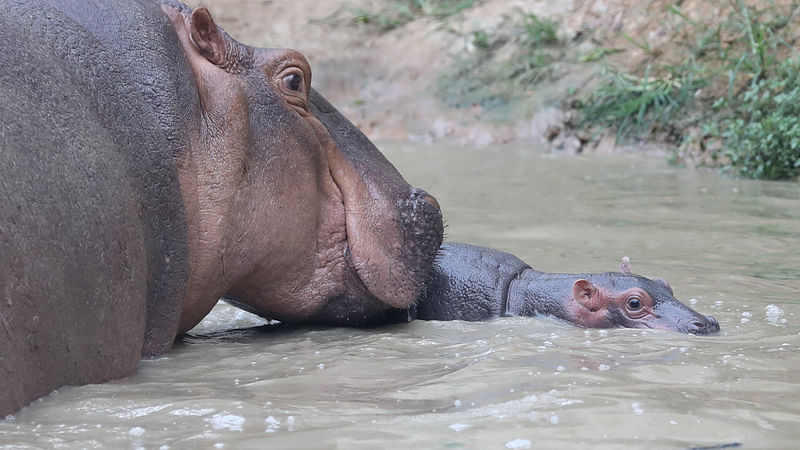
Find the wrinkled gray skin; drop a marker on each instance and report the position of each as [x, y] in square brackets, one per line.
[149, 164]
[477, 283]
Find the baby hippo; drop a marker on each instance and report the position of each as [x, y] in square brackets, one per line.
[477, 283]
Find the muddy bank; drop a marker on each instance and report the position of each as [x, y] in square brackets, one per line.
[395, 82]
[385, 81]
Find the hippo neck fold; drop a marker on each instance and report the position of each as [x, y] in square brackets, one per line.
[536, 293]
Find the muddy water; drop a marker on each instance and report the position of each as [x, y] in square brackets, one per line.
[729, 247]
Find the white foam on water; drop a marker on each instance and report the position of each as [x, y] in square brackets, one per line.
[459, 427]
[273, 424]
[290, 423]
[192, 412]
[226, 421]
[774, 314]
[518, 443]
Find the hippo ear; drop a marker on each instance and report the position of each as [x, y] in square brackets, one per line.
[665, 284]
[207, 37]
[625, 265]
[585, 293]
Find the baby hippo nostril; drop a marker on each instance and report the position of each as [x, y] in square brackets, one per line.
[713, 325]
[708, 325]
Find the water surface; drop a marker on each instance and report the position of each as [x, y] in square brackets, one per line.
[728, 247]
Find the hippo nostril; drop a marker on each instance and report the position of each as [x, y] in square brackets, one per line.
[712, 324]
[421, 194]
[705, 326]
[432, 200]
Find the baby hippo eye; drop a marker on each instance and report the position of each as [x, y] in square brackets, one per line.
[293, 82]
[634, 304]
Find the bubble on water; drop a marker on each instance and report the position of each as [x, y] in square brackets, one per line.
[744, 320]
[290, 423]
[518, 443]
[554, 419]
[321, 366]
[136, 431]
[457, 403]
[637, 409]
[273, 424]
[774, 314]
[164, 447]
[672, 422]
[747, 314]
[219, 445]
[226, 421]
[584, 368]
[459, 427]
[693, 301]
[603, 367]
[560, 368]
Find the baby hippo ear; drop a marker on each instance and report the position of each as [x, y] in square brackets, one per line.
[625, 265]
[587, 294]
[665, 284]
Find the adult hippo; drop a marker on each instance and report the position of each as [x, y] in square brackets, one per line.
[150, 164]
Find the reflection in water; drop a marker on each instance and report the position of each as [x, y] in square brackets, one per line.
[728, 247]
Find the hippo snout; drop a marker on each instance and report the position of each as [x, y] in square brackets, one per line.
[421, 217]
[704, 325]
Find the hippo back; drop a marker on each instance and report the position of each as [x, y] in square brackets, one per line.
[92, 226]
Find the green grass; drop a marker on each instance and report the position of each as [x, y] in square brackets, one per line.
[636, 106]
[762, 130]
[756, 105]
[501, 65]
[399, 13]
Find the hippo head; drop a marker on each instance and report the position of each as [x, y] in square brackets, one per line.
[623, 299]
[290, 206]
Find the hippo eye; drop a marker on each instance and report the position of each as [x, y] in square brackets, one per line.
[293, 82]
[634, 304]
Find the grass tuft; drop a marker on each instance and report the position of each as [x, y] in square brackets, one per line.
[754, 103]
[501, 65]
